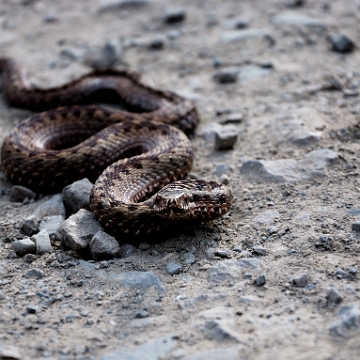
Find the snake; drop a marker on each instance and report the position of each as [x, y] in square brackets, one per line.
[137, 156]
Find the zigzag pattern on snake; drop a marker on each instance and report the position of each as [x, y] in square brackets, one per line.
[137, 157]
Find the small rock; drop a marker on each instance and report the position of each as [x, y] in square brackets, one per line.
[333, 297]
[141, 314]
[189, 258]
[225, 139]
[219, 330]
[259, 250]
[157, 42]
[42, 242]
[348, 324]
[173, 269]
[355, 226]
[174, 15]
[226, 75]
[224, 179]
[100, 59]
[52, 225]
[104, 246]
[51, 18]
[300, 280]
[51, 207]
[76, 196]
[127, 250]
[225, 254]
[260, 280]
[23, 247]
[238, 23]
[341, 274]
[20, 193]
[78, 230]
[31, 309]
[34, 273]
[341, 43]
[30, 225]
[295, 3]
[10, 353]
[111, 5]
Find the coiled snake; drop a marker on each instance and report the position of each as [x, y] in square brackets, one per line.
[144, 151]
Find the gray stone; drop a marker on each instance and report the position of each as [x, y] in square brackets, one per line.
[138, 280]
[78, 230]
[31, 309]
[248, 34]
[173, 269]
[225, 254]
[111, 5]
[23, 247]
[76, 196]
[228, 353]
[10, 353]
[103, 246]
[34, 273]
[174, 15]
[229, 270]
[260, 280]
[300, 280]
[127, 250]
[348, 323]
[53, 206]
[102, 58]
[152, 350]
[189, 258]
[259, 250]
[20, 193]
[220, 331]
[294, 18]
[226, 75]
[333, 297]
[341, 43]
[52, 225]
[313, 165]
[30, 225]
[225, 138]
[157, 42]
[295, 3]
[355, 226]
[42, 242]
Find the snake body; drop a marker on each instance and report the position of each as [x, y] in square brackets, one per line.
[137, 159]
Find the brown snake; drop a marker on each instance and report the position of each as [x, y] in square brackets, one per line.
[145, 152]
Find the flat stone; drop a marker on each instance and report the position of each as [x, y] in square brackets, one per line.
[111, 5]
[103, 246]
[152, 350]
[42, 242]
[312, 166]
[259, 250]
[228, 353]
[355, 226]
[76, 196]
[23, 247]
[342, 43]
[20, 193]
[219, 330]
[294, 18]
[52, 225]
[53, 206]
[10, 353]
[225, 138]
[34, 273]
[348, 323]
[78, 230]
[30, 225]
[173, 269]
[220, 312]
[227, 75]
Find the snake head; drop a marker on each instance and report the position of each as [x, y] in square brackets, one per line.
[173, 203]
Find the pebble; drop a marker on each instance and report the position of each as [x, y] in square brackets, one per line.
[76, 196]
[78, 230]
[127, 250]
[333, 297]
[51, 207]
[238, 23]
[52, 225]
[220, 331]
[102, 58]
[260, 280]
[23, 247]
[226, 75]
[341, 43]
[348, 323]
[30, 225]
[157, 42]
[42, 242]
[104, 246]
[259, 250]
[295, 3]
[10, 353]
[300, 280]
[20, 193]
[188, 258]
[31, 309]
[224, 179]
[355, 226]
[225, 138]
[313, 165]
[174, 15]
[173, 269]
[341, 274]
[34, 273]
[225, 254]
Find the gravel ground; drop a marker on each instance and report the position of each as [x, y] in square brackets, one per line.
[277, 86]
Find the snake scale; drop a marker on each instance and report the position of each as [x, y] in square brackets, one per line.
[138, 157]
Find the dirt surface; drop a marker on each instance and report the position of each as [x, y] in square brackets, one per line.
[278, 276]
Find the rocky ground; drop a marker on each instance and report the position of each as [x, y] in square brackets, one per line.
[277, 87]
